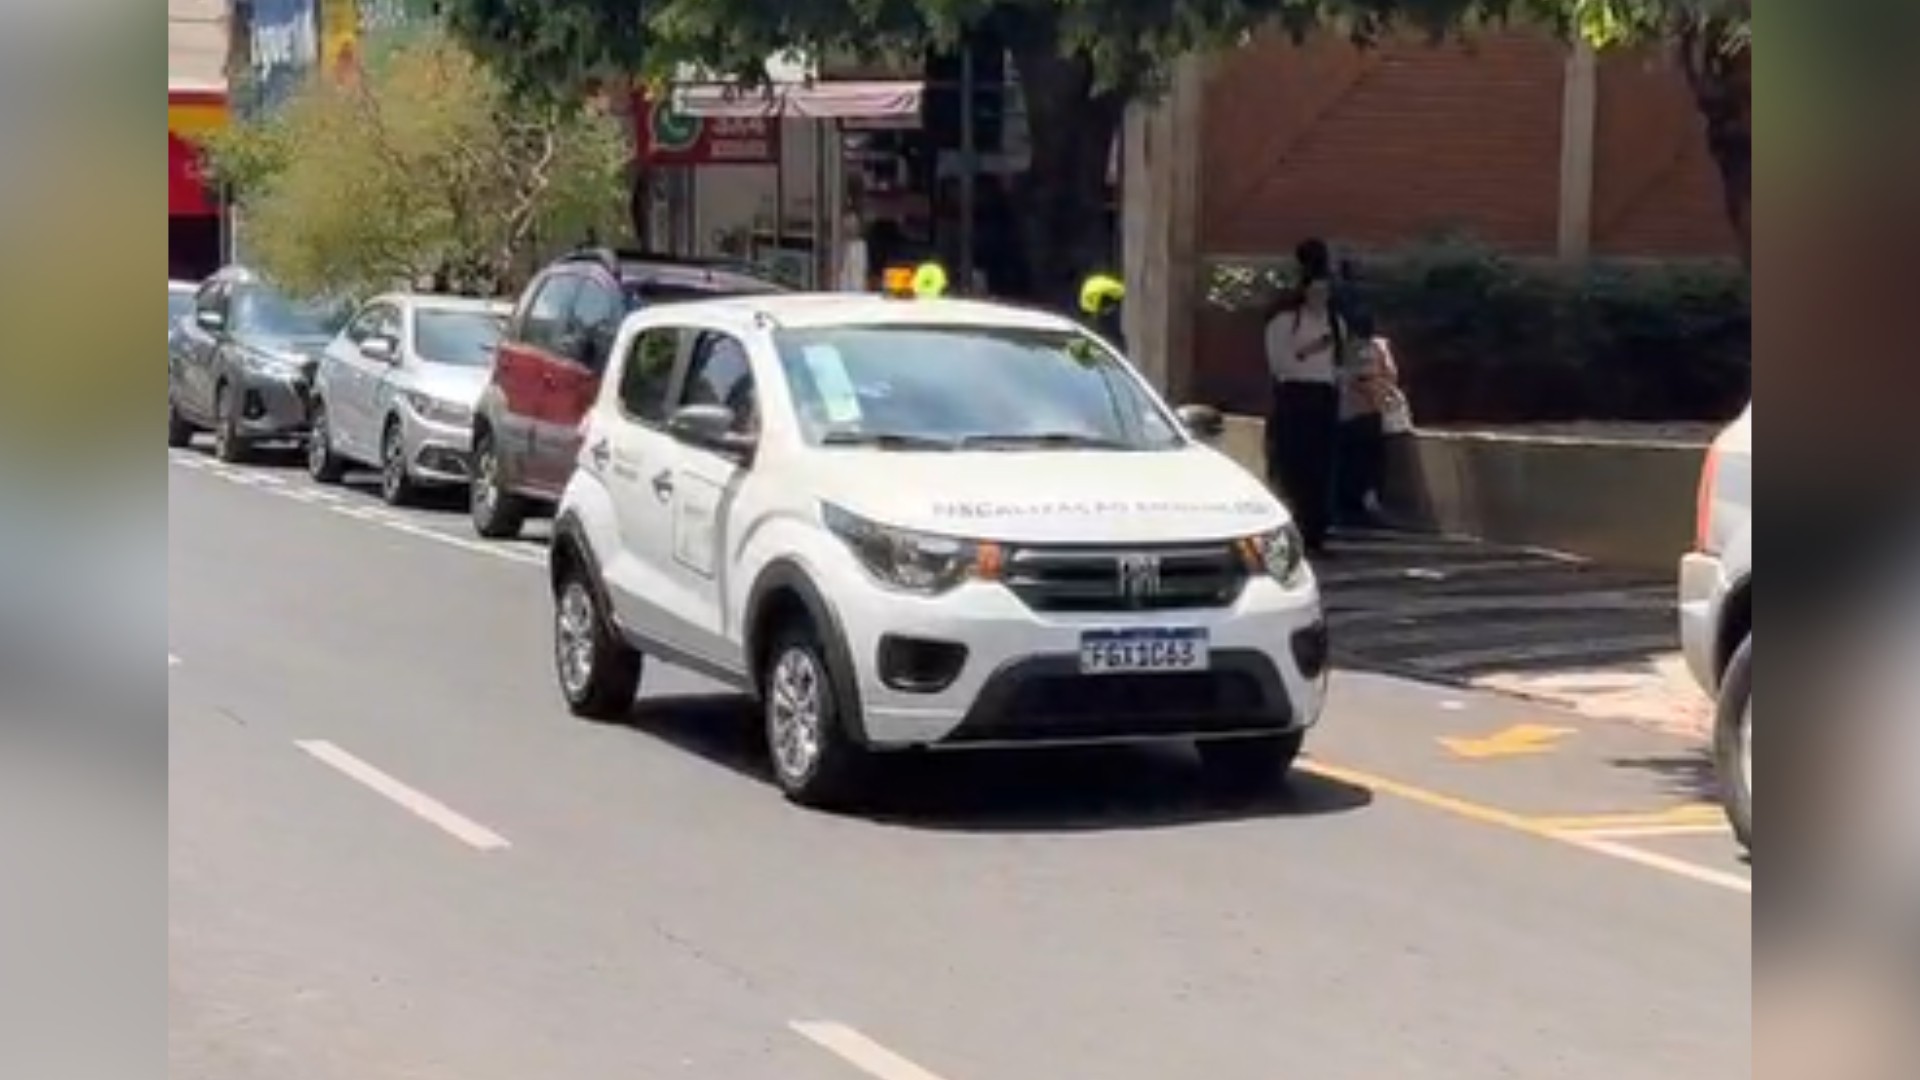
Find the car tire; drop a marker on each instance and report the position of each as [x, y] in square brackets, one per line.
[1733, 743]
[397, 487]
[497, 513]
[1250, 767]
[815, 762]
[599, 673]
[179, 432]
[323, 464]
[229, 445]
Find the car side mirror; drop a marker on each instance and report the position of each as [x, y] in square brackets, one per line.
[380, 350]
[211, 321]
[710, 427]
[1204, 421]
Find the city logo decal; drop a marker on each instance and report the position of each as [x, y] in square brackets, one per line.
[674, 131]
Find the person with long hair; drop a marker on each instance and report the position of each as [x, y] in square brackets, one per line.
[1307, 343]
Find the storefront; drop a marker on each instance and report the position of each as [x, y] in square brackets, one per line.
[195, 223]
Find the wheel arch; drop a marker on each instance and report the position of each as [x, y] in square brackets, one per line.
[1736, 625]
[785, 591]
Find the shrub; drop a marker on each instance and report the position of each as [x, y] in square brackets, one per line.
[1482, 338]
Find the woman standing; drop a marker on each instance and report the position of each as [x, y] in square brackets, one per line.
[1367, 390]
[1306, 346]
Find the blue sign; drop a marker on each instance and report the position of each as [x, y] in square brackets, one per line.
[284, 48]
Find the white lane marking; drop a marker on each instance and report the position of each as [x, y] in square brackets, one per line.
[859, 1051]
[424, 806]
[1695, 871]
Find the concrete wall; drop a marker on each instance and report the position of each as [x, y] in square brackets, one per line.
[1626, 504]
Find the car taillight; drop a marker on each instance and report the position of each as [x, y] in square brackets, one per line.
[1703, 508]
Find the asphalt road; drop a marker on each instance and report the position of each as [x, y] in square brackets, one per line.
[394, 856]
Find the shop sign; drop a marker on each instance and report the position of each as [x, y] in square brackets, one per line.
[285, 45]
[669, 137]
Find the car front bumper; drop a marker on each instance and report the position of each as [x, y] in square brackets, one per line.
[437, 450]
[977, 667]
[274, 407]
[1703, 590]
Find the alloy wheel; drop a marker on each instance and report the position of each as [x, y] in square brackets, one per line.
[794, 713]
[486, 477]
[573, 640]
[318, 444]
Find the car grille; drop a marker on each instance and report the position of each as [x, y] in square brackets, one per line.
[1059, 579]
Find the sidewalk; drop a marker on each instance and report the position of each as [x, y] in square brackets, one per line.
[1532, 624]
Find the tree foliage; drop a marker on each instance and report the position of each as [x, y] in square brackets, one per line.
[425, 167]
[1080, 62]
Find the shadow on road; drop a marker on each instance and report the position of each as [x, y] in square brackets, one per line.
[1037, 791]
[1689, 775]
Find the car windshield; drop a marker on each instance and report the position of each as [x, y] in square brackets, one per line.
[262, 312]
[461, 338]
[968, 387]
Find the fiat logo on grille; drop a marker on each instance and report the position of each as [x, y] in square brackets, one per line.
[1139, 577]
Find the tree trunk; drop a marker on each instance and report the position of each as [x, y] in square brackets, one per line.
[1719, 70]
[1065, 227]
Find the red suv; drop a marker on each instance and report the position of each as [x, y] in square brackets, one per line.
[526, 430]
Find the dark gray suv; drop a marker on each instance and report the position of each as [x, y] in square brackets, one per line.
[241, 364]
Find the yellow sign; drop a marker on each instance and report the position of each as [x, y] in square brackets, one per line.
[1516, 741]
[339, 36]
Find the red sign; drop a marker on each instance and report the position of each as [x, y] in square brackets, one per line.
[667, 137]
[187, 194]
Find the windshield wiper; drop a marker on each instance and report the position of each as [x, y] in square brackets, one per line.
[884, 440]
[1067, 439]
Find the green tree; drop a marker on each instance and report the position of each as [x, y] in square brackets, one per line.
[1079, 62]
[425, 167]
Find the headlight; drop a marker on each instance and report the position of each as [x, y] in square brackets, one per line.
[910, 561]
[1280, 554]
[438, 410]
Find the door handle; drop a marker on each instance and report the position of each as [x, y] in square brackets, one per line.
[663, 485]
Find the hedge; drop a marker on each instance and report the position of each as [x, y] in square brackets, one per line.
[1486, 339]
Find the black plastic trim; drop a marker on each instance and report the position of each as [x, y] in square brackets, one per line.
[787, 575]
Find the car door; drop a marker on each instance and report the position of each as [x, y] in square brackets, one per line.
[340, 371]
[363, 378]
[636, 458]
[524, 371]
[705, 486]
[196, 349]
[572, 380]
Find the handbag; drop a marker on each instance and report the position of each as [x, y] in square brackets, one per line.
[1396, 412]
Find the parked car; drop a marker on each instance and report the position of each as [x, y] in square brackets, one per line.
[1716, 613]
[928, 524]
[242, 363]
[397, 388]
[527, 431]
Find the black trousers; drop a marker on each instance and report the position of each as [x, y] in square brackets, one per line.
[1302, 429]
[1361, 467]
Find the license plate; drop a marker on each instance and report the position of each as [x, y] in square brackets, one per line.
[1110, 652]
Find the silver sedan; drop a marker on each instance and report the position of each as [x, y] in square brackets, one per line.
[397, 388]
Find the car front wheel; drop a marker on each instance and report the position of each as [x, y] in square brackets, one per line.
[814, 761]
[1733, 743]
[599, 672]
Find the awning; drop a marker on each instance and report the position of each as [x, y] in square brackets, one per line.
[869, 101]
[187, 194]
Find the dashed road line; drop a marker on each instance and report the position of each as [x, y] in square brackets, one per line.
[420, 804]
[860, 1051]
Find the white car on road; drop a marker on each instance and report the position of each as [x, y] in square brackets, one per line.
[927, 524]
[1716, 612]
[396, 391]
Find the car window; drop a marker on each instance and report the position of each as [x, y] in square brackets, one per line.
[265, 312]
[596, 310]
[546, 317]
[988, 386]
[648, 375]
[212, 297]
[179, 304]
[369, 323]
[720, 374]
[461, 338]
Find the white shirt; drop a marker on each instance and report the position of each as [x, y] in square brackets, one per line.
[1300, 347]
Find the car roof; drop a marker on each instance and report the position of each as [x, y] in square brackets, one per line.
[635, 267]
[818, 310]
[443, 302]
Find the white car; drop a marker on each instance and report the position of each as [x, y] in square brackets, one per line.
[397, 388]
[927, 524]
[1716, 612]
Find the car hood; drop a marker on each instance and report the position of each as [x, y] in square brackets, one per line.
[304, 351]
[1072, 497]
[452, 383]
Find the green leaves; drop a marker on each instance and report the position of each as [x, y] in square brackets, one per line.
[428, 166]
